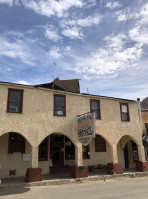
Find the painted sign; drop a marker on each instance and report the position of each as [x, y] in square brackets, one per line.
[86, 128]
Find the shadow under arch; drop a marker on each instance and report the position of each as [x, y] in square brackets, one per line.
[124, 139]
[18, 134]
[58, 133]
[106, 140]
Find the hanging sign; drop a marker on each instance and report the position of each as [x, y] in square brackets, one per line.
[86, 128]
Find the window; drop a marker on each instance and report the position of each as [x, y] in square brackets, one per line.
[95, 107]
[60, 105]
[43, 150]
[146, 128]
[86, 154]
[16, 143]
[100, 144]
[124, 112]
[15, 101]
[69, 149]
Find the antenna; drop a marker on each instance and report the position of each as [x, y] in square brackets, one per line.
[87, 91]
[54, 64]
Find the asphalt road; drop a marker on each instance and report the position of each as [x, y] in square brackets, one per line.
[136, 188]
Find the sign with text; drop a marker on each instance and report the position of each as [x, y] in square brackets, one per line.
[86, 128]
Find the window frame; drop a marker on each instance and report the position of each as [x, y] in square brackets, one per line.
[10, 150]
[54, 105]
[96, 149]
[99, 109]
[21, 101]
[47, 147]
[128, 117]
[88, 155]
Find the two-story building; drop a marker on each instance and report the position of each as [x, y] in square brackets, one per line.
[39, 130]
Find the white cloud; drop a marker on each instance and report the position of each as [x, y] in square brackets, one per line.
[17, 49]
[139, 32]
[52, 7]
[125, 14]
[55, 52]
[52, 33]
[82, 22]
[23, 82]
[110, 60]
[9, 2]
[113, 5]
[73, 33]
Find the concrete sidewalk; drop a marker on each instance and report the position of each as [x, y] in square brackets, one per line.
[66, 179]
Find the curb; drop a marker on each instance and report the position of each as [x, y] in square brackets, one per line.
[76, 180]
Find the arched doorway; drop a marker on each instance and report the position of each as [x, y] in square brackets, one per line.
[15, 155]
[127, 152]
[130, 154]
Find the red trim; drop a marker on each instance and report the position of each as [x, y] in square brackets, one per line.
[128, 117]
[54, 112]
[99, 110]
[21, 102]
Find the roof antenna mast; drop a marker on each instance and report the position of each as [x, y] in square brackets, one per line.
[54, 64]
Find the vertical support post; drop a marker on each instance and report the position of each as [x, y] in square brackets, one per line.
[141, 165]
[141, 153]
[79, 170]
[34, 174]
[34, 162]
[114, 167]
[78, 155]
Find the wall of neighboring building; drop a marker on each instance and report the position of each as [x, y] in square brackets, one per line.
[37, 121]
[144, 115]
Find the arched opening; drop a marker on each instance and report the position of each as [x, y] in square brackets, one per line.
[15, 155]
[59, 153]
[127, 152]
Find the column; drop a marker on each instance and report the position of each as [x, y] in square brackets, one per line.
[34, 174]
[114, 167]
[78, 155]
[79, 170]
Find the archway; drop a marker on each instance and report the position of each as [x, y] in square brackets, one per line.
[56, 153]
[127, 152]
[15, 155]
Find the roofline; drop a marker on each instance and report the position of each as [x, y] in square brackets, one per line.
[80, 94]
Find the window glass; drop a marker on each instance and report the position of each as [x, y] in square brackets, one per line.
[94, 105]
[15, 99]
[69, 149]
[43, 150]
[59, 105]
[86, 152]
[124, 112]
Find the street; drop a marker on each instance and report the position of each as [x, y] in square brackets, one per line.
[116, 188]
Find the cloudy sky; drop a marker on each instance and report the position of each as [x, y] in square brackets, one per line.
[102, 42]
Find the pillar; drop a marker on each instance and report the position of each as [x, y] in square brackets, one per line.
[114, 167]
[79, 170]
[141, 165]
[34, 174]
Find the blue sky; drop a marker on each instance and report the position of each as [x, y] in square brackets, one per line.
[102, 42]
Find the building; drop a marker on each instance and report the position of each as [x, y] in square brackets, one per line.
[39, 130]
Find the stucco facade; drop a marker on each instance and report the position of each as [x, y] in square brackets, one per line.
[37, 121]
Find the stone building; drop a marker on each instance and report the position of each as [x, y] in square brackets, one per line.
[39, 130]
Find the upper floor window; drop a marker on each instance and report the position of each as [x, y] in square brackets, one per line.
[100, 144]
[95, 107]
[16, 143]
[124, 112]
[60, 105]
[15, 100]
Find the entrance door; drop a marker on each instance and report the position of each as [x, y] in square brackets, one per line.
[126, 156]
[57, 150]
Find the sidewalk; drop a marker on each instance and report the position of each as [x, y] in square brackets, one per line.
[60, 179]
